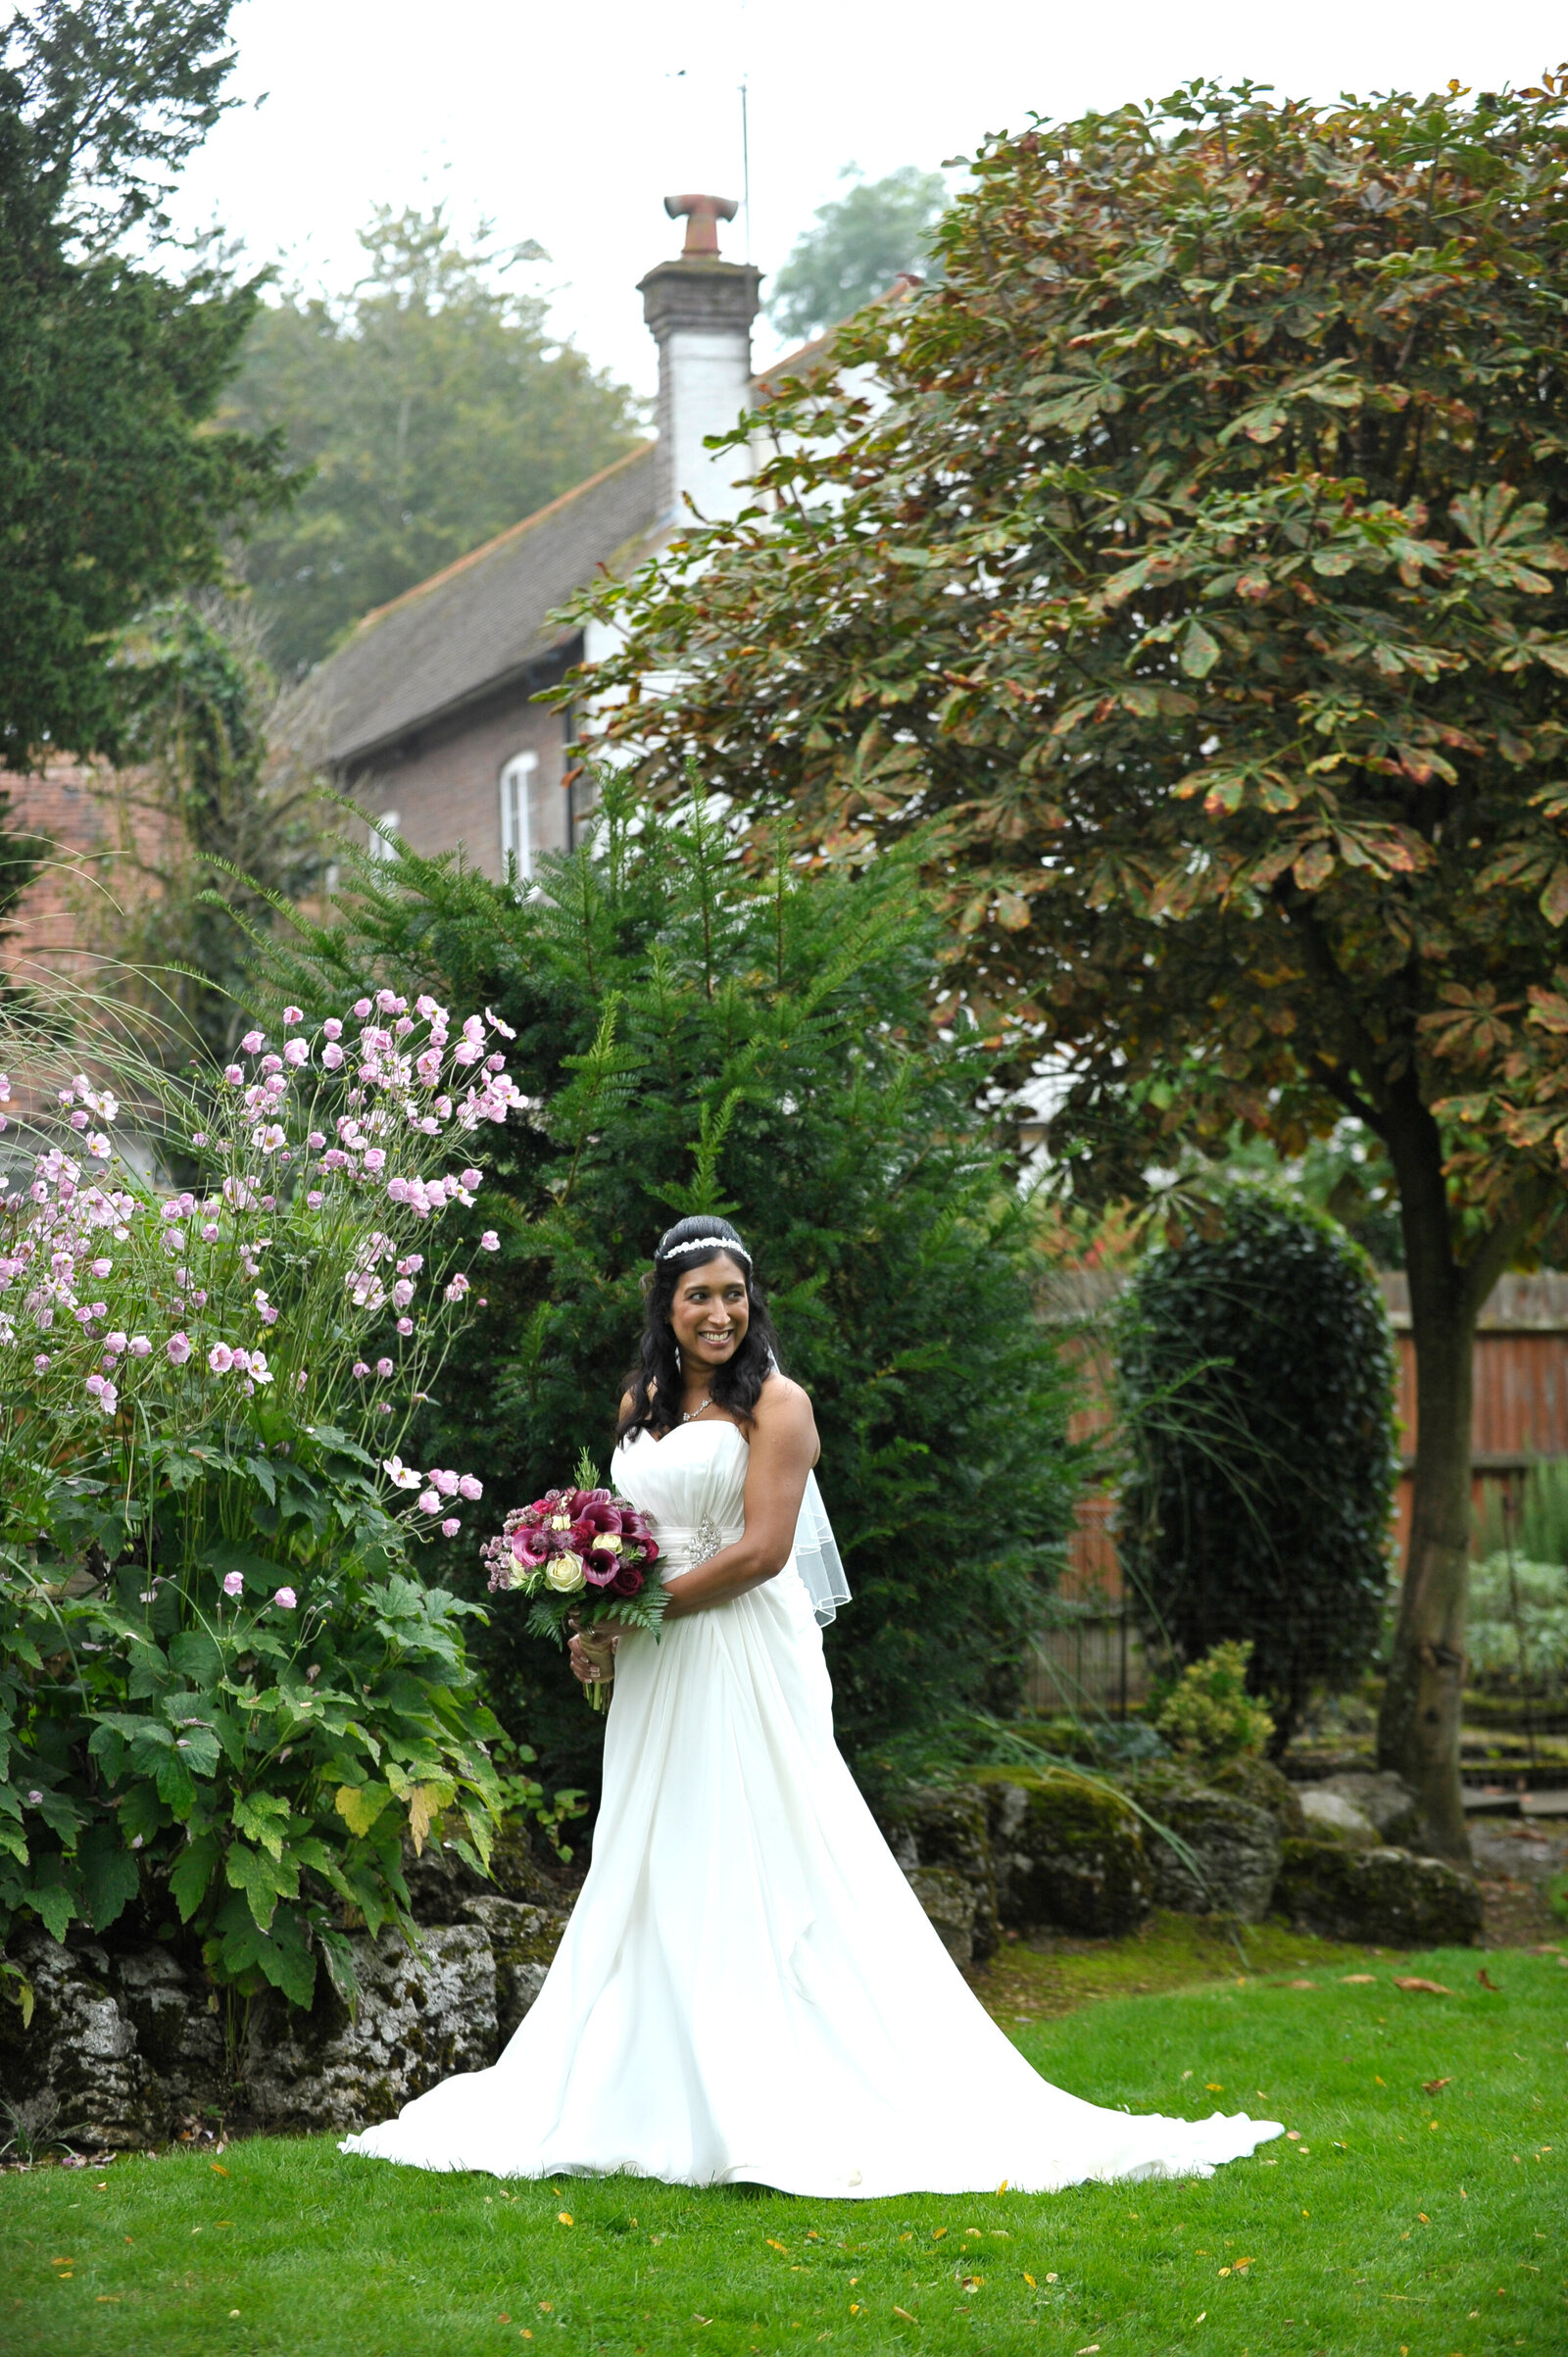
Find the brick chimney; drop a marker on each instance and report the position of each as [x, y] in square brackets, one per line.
[699, 310]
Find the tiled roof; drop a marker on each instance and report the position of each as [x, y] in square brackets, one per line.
[484, 619]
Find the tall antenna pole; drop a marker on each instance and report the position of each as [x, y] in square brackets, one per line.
[745, 167]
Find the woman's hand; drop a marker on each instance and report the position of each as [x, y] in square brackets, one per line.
[593, 1656]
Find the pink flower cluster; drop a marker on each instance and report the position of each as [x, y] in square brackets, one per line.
[327, 1123]
[437, 1489]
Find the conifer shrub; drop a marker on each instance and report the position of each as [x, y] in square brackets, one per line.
[695, 1036]
[1257, 1375]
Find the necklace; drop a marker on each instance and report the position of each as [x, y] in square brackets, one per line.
[688, 1414]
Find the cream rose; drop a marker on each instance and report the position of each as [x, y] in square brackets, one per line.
[564, 1573]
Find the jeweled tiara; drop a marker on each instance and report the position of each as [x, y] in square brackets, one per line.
[693, 1244]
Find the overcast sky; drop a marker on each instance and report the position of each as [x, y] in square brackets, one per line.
[569, 125]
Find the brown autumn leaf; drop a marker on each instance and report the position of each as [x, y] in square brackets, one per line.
[1434, 2086]
[1357, 1980]
[1413, 1981]
[1486, 1981]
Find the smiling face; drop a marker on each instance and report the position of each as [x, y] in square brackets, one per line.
[710, 1314]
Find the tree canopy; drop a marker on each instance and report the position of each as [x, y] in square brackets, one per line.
[855, 248]
[435, 408]
[115, 489]
[1197, 575]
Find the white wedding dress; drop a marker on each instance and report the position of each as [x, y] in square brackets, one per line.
[748, 1987]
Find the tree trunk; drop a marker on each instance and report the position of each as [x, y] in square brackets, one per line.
[1418, 1728]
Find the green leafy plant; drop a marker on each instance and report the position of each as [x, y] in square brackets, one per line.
[223, 1675]
[1537, 1528]
[1257, 1385]
[1210, 1717]
[693, 1036]
[1519, 1624]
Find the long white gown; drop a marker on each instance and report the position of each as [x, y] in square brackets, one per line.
[748, 1987]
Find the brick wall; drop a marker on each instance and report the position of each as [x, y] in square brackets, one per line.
[445, 783]
[64, 806]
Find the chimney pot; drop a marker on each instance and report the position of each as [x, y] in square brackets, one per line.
[703, 215]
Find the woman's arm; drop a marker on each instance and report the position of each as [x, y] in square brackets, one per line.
[784, 1449]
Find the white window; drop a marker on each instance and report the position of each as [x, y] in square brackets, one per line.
[383, 832]
[517, 814]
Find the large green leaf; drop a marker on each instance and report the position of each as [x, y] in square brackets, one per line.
[192, 1873]
[109, 1878]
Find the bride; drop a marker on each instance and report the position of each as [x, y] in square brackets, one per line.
[748, 1987]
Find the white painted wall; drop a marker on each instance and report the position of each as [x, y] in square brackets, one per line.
[708, 387]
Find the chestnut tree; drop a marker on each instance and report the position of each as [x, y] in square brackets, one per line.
[1189, 567]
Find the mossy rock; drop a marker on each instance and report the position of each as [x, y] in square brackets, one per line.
[949, 1900]
[1381, 1895]
[1066, 1852]
[944, 1827]
[1234, 1846]
[422, 2014]
[1266, 1786]
[524, 1939]
[1388, 1803]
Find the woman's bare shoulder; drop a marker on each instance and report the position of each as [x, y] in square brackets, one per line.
[783, 1406]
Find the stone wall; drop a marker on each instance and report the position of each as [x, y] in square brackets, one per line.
[127, 2045]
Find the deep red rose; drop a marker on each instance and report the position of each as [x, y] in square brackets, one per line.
[628, 1579]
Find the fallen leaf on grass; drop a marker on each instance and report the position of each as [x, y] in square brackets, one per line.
[1434, 2086]
[218, 2169]
[1357, 1980]
[1486, 1981]
[1029, 2279]
[1303, 1984]
[772, 2246]
[1426, 1989]
[564, 2218]
[904, 2313]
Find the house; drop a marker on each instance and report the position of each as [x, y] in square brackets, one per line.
[427, 713]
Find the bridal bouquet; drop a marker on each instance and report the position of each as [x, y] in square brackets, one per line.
[583, 1557]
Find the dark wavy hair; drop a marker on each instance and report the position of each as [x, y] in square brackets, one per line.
[654, 1385]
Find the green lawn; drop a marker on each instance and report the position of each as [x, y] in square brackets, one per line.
[1404, 2223]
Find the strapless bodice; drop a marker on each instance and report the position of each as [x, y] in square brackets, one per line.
[692, 1487]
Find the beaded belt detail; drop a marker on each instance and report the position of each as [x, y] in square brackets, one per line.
[686, 1546]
